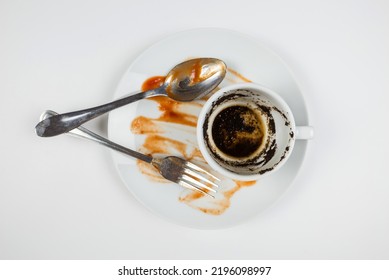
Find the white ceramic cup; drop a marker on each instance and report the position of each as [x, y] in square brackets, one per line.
[246, 131]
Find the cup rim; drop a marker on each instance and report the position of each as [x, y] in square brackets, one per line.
[200, 135]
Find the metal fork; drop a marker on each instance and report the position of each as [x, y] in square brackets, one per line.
[173, 168]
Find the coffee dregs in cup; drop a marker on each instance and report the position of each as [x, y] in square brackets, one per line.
[246, 131]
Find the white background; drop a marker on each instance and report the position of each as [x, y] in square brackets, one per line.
[61, 198]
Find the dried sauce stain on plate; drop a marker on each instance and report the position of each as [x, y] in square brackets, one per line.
[143, 125]
[162, 145]
[174, 111]
[153, 83]
[218, 205]
[236, 77]
[157, 142]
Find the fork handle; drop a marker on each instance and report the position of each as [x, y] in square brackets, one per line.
[87, 134]
[82, 132]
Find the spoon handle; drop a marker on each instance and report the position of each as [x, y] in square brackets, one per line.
[62, 123]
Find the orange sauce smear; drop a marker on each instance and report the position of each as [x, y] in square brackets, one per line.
[220, 205]
[156, 144]
[238, 75]
[196, 72]
[171, 112]
[153, 83]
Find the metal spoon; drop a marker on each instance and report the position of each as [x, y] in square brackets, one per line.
[185, 82]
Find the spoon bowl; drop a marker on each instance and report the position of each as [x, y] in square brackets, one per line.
[194, 78]
[187, 81]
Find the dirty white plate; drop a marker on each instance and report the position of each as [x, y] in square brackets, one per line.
[246, 59]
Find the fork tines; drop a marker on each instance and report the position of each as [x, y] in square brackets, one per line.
[195, 178]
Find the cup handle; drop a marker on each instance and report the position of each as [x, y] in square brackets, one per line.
[304, 132]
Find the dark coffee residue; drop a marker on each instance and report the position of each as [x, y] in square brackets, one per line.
[250, 163]
[287, 148]
[237, 131]
[254, 163]
[287, 122]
